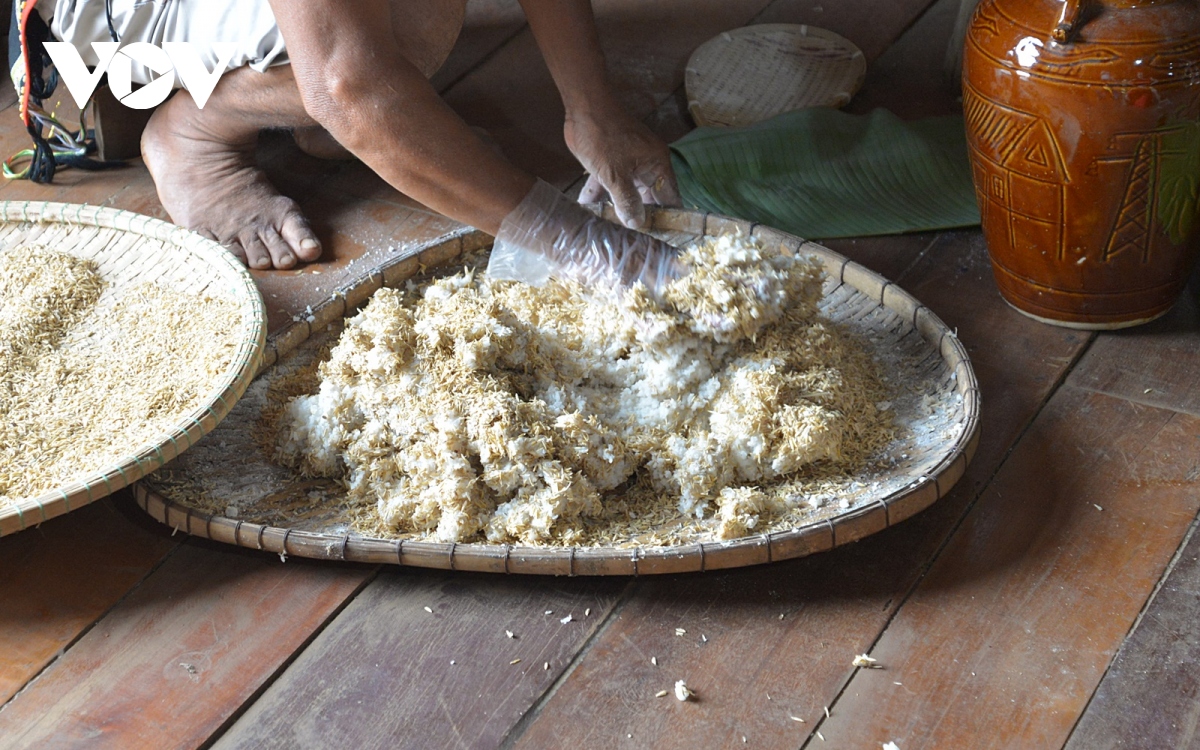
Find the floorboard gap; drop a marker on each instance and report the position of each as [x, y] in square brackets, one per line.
[518, 729]
[84, 631]
[925, 568]
[283, 666]
[1137, 621]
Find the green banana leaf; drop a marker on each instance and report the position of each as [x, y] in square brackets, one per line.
[821, 173]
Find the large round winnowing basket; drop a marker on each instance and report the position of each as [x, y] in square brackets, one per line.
[926, 352]
[131, 249]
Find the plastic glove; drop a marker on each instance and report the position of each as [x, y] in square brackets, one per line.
[549, 235]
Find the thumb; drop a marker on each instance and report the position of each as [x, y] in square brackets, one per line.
[628, 202]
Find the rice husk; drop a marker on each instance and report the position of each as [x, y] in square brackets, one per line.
[89, 377]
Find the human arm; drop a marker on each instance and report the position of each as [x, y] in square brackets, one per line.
[391, 118]
[355, 81]
[621, 154]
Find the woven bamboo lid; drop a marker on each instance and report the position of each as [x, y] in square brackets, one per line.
[131, 250]
[258, 504]
[753, 73]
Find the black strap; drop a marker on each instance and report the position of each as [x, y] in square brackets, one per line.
[112, 31]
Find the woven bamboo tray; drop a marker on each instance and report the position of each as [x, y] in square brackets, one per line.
[301, 517]
[753, 73]
[131, 249]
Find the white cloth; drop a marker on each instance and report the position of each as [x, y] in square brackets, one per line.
[248, 24]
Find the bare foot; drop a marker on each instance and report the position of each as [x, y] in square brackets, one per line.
[204, 169]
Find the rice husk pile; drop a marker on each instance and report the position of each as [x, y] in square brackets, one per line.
[88, 377]
[464, 409]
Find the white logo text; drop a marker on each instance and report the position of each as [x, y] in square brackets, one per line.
[173, 59]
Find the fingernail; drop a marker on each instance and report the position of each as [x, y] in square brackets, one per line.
[308, 244]
[287, 259]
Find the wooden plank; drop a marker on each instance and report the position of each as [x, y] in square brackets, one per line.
[646, 46]
[873, 26]
[887, 256]
[1007, 636]
[487, 26]
[45, 586]
[835, 604]
[389, 672]
[909, 79]
[233, 681]
[358, 235]
[1157, 364]
[59, 578]
[1148, 696]
[176, 658]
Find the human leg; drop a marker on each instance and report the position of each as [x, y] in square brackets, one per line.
[203, 165]
[202, 160]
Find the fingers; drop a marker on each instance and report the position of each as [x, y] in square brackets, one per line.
[665, 189]
[628, 202]
[593, 190]
[658, 182]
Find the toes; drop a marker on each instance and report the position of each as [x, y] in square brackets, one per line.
[235, 247]
[281, 253]
[257, 254]
[299, 236]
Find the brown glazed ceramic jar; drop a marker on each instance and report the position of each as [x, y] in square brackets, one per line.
[1083, 119]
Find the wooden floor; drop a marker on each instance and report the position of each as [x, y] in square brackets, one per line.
[1050, 600]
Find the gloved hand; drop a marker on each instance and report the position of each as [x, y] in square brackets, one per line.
[549, 235]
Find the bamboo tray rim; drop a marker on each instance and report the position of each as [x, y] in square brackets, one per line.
[224, 391]
[818, 536]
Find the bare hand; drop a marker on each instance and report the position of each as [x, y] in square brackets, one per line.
[625, 159]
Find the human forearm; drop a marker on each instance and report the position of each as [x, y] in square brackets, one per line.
[393, 120]
[426, 151]
[389, 116]
[565, 31]
[622, 156]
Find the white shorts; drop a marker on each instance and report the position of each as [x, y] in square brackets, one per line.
[248, 24]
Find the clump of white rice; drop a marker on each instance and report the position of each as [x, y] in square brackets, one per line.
[468, 408]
